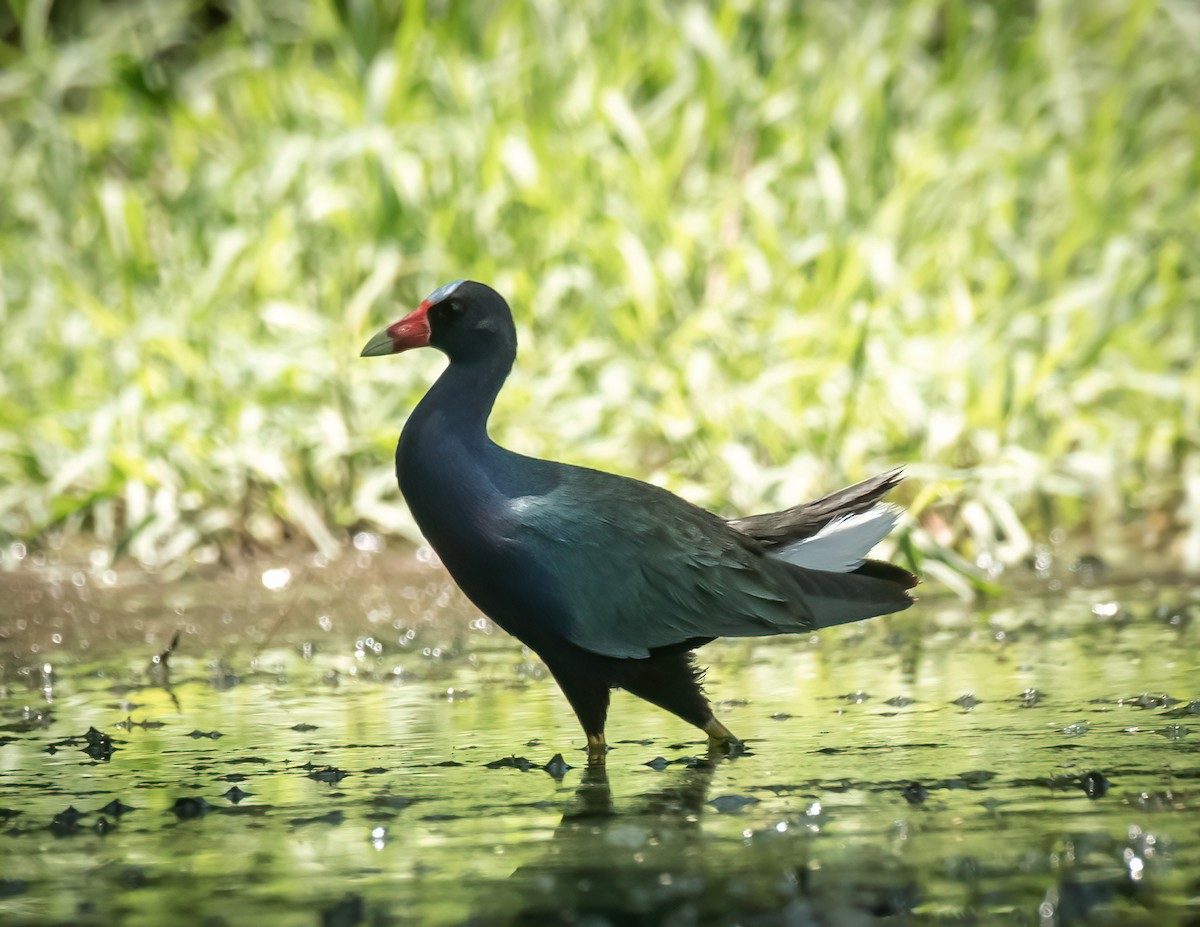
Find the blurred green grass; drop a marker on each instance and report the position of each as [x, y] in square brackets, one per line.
[754, 250]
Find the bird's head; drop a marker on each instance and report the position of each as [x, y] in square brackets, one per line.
[463, 320]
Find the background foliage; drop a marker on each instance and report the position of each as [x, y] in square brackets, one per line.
[754, 250]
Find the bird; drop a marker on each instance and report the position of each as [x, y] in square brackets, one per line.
[611, 581]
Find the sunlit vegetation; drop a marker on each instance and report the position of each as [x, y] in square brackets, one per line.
[755, 250]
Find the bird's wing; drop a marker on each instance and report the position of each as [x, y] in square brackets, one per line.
[635, 568]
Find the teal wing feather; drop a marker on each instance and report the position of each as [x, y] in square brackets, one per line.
[636, 568]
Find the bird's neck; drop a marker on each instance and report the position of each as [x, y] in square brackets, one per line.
[445, 459]
[463, 396]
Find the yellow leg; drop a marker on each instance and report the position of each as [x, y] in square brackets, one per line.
[597, 749]
[720, 736]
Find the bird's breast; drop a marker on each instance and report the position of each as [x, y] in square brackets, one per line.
[471, 524]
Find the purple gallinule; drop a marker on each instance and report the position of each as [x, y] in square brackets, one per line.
[611, 581]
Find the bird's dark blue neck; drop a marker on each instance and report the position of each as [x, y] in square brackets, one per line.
[449, 469]
[445, 459]
[462, 398]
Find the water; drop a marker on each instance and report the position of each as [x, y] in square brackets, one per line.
[348, 746]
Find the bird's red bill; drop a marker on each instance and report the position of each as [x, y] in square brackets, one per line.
[412, 331]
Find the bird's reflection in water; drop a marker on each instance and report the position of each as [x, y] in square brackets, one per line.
[593, 799]
[683, 800]
[626, 860]
[648, 859]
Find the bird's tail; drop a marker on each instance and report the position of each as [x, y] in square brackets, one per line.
[778, 529]
[828, 540]
[839, 598]
[842, 543]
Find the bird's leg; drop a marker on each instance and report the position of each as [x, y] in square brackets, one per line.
[720, 738]
[587, 691]
[597, 749]
[672, 681]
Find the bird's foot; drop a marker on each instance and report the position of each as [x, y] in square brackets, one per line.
[597, 749]
[721, 739]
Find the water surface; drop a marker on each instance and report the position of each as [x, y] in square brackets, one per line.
[355, 745]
